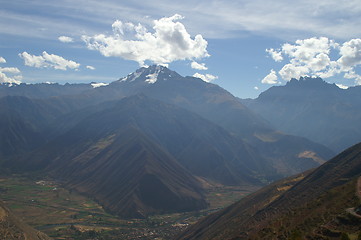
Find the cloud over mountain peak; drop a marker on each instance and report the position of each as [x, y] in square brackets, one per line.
[169, 42]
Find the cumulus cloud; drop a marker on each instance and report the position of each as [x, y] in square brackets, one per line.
[350, 54]
[352, 75]
[205, 77]
[271, 78]
[4, 78]
[169, 41]
[199, 66]
[277, 56]
[317, 57]
[90, 67]
[290, 71]
[65, 39]
[11, 75]
[48, 60]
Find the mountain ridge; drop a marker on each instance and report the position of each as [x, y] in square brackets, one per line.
[314, 109]
[302, 205]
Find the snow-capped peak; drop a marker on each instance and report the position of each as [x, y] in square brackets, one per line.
[150, 74]
[153, 77]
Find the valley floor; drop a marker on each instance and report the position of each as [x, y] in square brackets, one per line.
[62, 214]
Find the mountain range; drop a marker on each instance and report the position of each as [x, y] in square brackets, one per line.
[311, 108]
[141, 145]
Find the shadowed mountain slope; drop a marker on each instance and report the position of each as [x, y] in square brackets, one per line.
[132, 157]
[21, 125]
[208, 100]
[289, 154]
[202, 147]
[285, 154]
[313, 109]
[303, 207]
[130, 176]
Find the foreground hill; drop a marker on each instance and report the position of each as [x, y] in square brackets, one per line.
[309, 206]
[314, 109]
[12, 228]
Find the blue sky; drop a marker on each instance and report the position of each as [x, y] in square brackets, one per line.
[244, 46]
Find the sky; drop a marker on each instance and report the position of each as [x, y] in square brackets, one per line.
[244, 46]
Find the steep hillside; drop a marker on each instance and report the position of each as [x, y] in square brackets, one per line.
[208, 100]
[130, 176]
[21, 125]
[12, 228]
[310, 206]
[202, 147]
[219, 106]
[114, 153]
[285, 154]
[314, 109]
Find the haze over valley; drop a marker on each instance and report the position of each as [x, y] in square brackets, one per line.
[158, 121]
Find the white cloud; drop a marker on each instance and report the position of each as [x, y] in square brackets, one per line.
[276, 55]
[10, 75]
[169, 42]
[90, 67]
[352, 75]
[198, 66]
[12, 70]
[256, 88]
[350, 54]
[65, 39]
[205, 77]
[290, 71]
[306, 50]
[316, 57]
[214, 18]
[271, 78]
[96, 85]
[48, 60]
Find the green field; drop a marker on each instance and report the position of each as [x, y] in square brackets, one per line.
[62, 214]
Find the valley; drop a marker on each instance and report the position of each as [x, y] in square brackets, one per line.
[157, 158]
[155, 120]
[62, 214]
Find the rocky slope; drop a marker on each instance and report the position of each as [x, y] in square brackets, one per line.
[309, 206]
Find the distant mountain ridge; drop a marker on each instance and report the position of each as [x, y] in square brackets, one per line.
[42, 90]
[165, 129]
[314, 109]
[201, 147]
